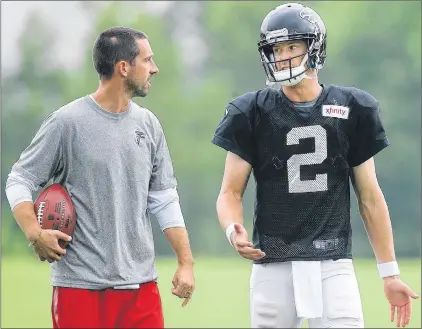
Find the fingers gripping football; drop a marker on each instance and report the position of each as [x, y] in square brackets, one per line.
[47, 246]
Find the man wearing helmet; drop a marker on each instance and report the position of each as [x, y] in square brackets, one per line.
[304, 141]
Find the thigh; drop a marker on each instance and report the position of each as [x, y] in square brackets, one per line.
[137, 308]
[75, 308]
[272, 302]
[341, 298]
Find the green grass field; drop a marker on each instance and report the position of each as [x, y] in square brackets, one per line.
[221, 298]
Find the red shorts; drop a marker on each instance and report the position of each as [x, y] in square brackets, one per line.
[109, 308]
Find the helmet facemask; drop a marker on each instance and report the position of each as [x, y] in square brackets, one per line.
[292, 75]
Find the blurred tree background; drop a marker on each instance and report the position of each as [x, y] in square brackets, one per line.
[207, 55]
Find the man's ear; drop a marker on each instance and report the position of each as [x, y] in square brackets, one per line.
[122, 68]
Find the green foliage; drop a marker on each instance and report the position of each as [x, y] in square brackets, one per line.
[374, 46]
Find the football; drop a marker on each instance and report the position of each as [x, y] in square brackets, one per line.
[55, 210]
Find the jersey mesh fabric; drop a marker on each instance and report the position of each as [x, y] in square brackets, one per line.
[302, 160]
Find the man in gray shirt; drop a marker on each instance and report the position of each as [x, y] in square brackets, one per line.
[112, 157]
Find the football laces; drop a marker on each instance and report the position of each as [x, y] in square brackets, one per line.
[40, 212]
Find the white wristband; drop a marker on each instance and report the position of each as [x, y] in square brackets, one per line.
[229, 231]
[388, 269]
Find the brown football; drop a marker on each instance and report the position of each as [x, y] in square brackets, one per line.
[55, 210]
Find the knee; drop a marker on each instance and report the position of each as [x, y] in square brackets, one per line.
[263, 314]
[266, 314]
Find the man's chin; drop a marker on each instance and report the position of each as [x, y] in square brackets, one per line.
[141, 93]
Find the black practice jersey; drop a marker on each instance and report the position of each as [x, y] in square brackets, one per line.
[302, 161]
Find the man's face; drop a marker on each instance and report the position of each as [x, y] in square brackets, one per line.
[286, 50]
[140, 74]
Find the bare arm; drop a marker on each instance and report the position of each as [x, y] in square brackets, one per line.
[45, 242]
[230, 208]
[26, 218]
[179, 241]
[229, 201]
[374, 211]
[183, 280]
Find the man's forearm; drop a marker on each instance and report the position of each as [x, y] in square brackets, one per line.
[179, 240]
[229, 209]
[377, 223]
[27, 220]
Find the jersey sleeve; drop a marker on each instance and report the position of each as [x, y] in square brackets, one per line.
[162, 176]
[368, 136]
[234, 131]
[43, 158]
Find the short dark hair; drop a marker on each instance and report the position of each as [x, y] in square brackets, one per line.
[113, 45]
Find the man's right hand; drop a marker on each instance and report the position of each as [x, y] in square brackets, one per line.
[239, 239]
[47, 245]
[44, 242]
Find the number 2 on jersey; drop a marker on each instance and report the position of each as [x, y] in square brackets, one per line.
[320, 183]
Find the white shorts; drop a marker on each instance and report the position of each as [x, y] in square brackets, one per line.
[326, 293]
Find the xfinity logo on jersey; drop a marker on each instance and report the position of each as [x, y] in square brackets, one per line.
[335, 111]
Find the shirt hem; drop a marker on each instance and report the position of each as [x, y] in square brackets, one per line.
[96, 286]
[290, 259]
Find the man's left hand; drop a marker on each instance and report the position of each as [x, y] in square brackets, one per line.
[184, 283]
[399, 295]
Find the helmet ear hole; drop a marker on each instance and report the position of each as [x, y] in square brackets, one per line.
[309, 43]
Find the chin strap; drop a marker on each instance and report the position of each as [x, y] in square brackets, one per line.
[310, 76]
